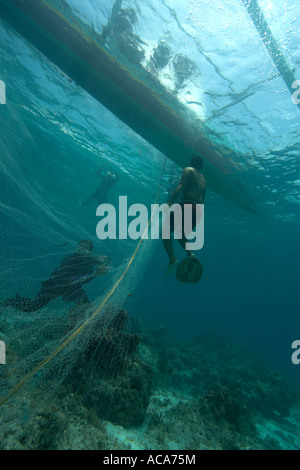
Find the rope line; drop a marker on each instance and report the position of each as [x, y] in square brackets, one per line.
[42, 364]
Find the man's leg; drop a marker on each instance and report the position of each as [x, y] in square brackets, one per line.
[168, 245]
[196, 216]
[31, 305]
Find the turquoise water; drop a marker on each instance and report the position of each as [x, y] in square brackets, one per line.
[54, 139]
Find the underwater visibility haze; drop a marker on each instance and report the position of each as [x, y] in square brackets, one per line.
[107, 99]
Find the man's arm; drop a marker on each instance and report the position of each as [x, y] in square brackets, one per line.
[180, 187]
[90, 277]
[103, 266]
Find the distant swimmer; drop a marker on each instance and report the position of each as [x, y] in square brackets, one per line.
[66, 280]
[107, 181]
[190, 190]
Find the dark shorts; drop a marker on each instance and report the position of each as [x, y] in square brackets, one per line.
[196, 213]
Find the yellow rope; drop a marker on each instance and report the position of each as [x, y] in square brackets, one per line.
[30, 374]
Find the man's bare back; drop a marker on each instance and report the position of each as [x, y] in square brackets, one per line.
[193, 185]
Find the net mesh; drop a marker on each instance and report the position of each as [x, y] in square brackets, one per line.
[64, 348]
[67, 365]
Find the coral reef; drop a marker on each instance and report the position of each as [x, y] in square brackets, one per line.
[136, 389]
[220, 403]
[228, 389]
[213, 365]
[118, 385]
[111, 342]
[123, 400]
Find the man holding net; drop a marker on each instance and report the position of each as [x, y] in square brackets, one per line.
[66, 280]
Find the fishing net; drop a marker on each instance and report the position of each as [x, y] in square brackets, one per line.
[68, 364]
[64, 352]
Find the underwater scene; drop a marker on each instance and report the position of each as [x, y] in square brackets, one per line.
[114, 334]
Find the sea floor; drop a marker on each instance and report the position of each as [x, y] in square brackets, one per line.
[198, 400]
[181, 434]
[170, 424]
